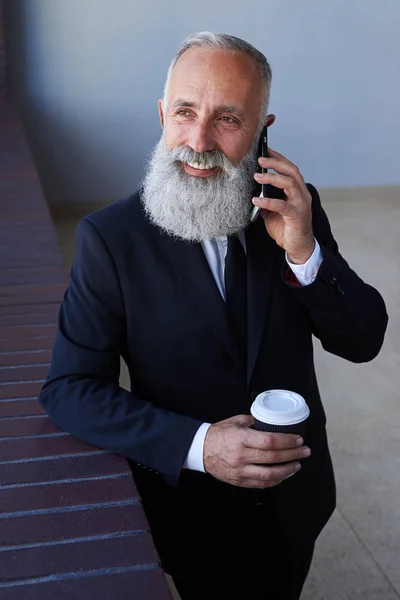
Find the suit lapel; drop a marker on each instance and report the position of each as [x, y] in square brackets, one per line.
[260, 268]
[191, 267]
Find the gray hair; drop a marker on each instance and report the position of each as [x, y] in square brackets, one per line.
[222, 41]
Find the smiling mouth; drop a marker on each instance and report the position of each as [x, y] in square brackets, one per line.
[199, 170]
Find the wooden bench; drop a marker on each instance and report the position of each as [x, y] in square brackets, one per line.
[71, 520]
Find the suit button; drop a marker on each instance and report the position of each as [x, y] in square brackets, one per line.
[334, 282]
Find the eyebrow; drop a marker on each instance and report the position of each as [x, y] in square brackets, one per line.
[229, 108]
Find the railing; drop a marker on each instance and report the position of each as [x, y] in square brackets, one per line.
[71, 521]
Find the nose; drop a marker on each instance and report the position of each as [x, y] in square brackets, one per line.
[201, 138]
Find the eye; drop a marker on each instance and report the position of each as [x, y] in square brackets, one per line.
[182, 112]
[229, 120]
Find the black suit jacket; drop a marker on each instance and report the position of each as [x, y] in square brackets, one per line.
[141, 294]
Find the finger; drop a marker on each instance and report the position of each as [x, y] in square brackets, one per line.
[284, 167]
[280, 157]
[269, 476]
[274, 154]
[263, 440]
[273, 204]
[282, 182]
[265, 457]
[258, 484]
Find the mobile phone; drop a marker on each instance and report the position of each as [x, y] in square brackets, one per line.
[262, 151]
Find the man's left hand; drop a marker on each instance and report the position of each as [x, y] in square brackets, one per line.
[288, 222]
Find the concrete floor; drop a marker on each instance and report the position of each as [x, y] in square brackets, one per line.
[358, 554]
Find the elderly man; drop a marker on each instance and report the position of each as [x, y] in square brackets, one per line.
[149, 283]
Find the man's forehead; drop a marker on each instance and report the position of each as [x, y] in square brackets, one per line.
[192, 95]
[223, 77]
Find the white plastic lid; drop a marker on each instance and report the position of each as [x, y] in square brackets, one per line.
[280, 407]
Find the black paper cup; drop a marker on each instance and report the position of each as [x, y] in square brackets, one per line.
[280, 411]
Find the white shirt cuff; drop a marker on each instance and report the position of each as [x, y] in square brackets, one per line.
[194, 458]
[308, 272]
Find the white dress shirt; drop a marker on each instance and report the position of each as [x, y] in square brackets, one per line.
[215, 251]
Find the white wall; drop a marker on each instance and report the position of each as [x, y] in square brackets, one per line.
[88, 74]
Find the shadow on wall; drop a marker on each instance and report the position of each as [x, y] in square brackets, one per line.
[85, 149]
[92, 149]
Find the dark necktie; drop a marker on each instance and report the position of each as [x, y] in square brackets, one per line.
[236, 292]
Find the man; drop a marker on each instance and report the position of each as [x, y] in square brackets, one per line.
[149, 283]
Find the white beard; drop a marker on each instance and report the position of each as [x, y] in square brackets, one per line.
[194, 208]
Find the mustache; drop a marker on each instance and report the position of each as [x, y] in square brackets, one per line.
[207, 160]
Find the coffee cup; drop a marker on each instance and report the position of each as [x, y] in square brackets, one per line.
[280, 411]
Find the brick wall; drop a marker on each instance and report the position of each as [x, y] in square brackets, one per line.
[2, 52]
[71, 520]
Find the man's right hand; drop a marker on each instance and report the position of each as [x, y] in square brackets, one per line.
[238, 455]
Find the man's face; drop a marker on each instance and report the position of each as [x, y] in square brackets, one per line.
[214, 102]
[200, 176]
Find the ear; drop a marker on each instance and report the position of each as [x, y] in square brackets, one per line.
[161, 113]
[270, 120]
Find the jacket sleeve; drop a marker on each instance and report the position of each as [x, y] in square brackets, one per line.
[347, 315]
[82, 393]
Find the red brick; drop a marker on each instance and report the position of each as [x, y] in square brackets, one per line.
[18, 230]
[66, 468]
[30, 298]
[21, 345]
[31, 276]
[16, 250]
[20, 262]
[66, 525]
[37, 448]
[26, 233]
[38, 319]
[80, 556]
[33, 299]
[20, 390]
[30, 309]
[20, 408]
[25, 358]
[27, 331]
[64, 495]
[33, 280]
[135, 585]
[2, 51]
[24, 222]
[29, 230]
[33, 293]
[26, 427]
[26, 373]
